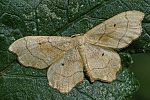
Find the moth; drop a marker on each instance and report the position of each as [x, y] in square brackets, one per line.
[94, 52]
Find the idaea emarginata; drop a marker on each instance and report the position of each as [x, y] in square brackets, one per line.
[94, 51]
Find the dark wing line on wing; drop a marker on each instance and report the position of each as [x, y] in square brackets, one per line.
[125, 31]
[67, 76]
[32, 54]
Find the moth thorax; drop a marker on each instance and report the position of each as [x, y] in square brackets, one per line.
[80, 40]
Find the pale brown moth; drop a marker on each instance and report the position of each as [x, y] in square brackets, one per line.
[94, 51]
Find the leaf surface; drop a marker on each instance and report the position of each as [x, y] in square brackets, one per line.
[19, 18]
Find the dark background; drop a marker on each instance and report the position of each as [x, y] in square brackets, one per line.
[141, 68]
[19, 18]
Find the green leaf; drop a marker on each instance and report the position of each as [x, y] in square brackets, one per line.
[19, 18]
